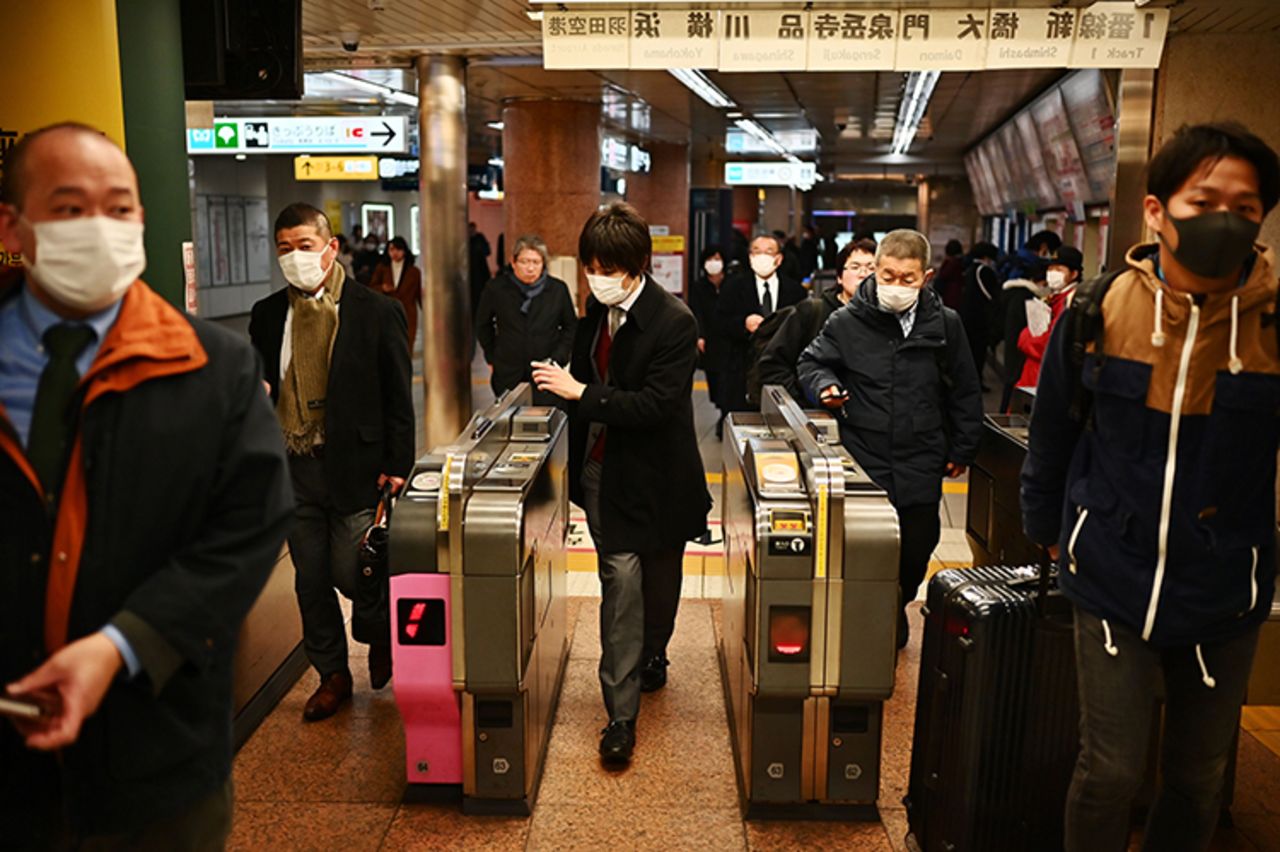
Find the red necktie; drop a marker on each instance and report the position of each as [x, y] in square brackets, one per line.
[604, 345]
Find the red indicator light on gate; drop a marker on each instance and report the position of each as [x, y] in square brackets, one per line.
[788, 633]
[415, 616]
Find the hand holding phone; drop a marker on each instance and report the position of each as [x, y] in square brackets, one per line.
[21, 708]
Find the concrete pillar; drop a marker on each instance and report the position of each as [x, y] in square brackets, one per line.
[551, 173]
[446, 304]
[1134, 118]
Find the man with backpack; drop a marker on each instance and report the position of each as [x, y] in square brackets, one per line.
[803, 321]
[895, 367]
[747, 301]
[1151, 472]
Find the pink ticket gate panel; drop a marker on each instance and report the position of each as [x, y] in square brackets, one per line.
[422, 657]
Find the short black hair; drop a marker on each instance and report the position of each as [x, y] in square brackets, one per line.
[984, 251]
[300, 213]
[710, 252]
[865, 244]
[954, 248]
[616, 238]
[1046, 239]
[13, 164]
[1191, 145]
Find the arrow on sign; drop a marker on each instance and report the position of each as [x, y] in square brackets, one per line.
[386, 131]
[306, 167]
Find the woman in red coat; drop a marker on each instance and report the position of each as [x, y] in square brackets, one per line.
[399, 278]
[1062, 277]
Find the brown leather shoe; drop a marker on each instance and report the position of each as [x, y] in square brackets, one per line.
[325, 701]
[379, 664]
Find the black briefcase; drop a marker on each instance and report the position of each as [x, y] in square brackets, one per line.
[371, 609]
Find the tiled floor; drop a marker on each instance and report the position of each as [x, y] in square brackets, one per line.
[338, 784]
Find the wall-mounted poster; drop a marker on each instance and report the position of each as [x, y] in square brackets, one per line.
[258, 247]
[1093, 120]
[378, 220]
[1046, 194]
[1061, 156]
[220, 257]
[235, 240]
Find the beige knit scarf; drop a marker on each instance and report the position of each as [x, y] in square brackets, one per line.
[300, 408]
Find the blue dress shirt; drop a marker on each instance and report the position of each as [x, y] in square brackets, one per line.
[23, 321]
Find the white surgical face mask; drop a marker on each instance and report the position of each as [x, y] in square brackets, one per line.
[763, 265]
[896, 297]
[608, 291]
[303, 269]
[87, 263]
[1056, 279]
[714, 266]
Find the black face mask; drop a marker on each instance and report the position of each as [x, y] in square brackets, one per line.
[1214, 245]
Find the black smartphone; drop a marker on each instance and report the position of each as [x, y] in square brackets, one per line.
[20, 708]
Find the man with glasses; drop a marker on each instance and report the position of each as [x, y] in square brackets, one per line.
[857, 261]
[895, 367]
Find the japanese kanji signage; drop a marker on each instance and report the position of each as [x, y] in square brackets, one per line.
[1112, 34]
[767, 40]
[862, 40]
[288, 134]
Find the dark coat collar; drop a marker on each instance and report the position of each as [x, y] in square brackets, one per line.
[929, 328]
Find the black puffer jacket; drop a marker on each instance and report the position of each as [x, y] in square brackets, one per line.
[902, 422]
[778, 361]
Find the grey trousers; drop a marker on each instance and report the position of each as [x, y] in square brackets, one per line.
[1117, 694]
[324, 545]
[627, 581]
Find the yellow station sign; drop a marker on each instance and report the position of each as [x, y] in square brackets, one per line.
[335, 168]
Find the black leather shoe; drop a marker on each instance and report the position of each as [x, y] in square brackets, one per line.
[617, 742]
[904, 630]
[379, 664]
[653, 674]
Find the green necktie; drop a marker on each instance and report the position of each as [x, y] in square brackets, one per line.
[51, 423]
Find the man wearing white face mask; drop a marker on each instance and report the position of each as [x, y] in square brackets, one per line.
[746, 300]
[896, 367]
[337, 362]
[144, 495]
[634, 465]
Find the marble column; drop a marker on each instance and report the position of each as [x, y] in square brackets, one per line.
[551, 173]
[446, 294]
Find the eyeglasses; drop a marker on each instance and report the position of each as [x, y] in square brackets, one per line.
[863, 269]
[536, 261]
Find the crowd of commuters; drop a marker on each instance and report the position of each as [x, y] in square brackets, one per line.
[152, 464]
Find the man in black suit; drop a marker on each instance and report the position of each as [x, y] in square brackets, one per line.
[745, 301]
[336, 358]
[634, 464]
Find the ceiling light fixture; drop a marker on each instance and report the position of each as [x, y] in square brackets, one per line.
[756, 129]
[697, 82]
[916, 93]
[389, 93]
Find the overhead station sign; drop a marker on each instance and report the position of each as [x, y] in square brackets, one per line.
[294, 135]
[1111, 34]
[770, 173]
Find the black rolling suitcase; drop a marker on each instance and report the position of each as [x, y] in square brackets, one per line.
[996, 730]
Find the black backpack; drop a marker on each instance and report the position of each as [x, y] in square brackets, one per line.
[765, 333]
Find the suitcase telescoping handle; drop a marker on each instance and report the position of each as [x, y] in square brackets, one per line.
[1043, 581]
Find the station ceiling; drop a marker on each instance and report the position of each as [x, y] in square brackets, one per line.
[853, 113]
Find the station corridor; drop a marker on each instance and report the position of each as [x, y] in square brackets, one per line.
[338, 784]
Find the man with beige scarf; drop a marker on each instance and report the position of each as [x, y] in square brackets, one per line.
[337, 361]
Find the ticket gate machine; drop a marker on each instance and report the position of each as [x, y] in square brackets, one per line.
[478, 605]
[810, 614]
